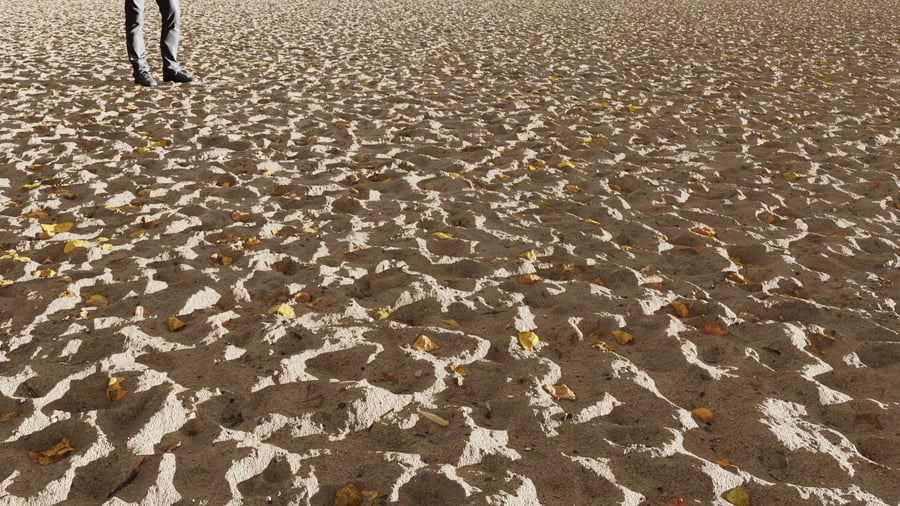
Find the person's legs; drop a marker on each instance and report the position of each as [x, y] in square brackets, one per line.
[168, 40]
[134, 36]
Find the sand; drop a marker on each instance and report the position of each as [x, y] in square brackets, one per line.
[350, 176]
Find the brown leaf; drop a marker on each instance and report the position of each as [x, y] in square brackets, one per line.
[8, 416]
[114, 391]
[174, 324]
[704, 231]
[424, 343]
[622, 337]
[240, 217]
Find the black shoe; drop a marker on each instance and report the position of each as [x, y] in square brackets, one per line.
[144, 78]
[179, 77]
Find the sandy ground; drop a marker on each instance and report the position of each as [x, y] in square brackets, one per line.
[528, 184]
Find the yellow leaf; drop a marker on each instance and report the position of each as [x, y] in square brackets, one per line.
[46, 457]
[680, 309]
[114, 390]
[34, 166]
[174, 324]
[57, 228]
[565, 165]
[252, 241]
[450, 322]
[45, 273]
[738, 496]
[527, 279]
[591, 221]
[622, 337]
[634, 108]
[17, 257]
[310, 230]
[97, 300]
[604, 346]
[572, 188]
[602, 103]
[31, 186]
[560, 391]
[143, 133]
[529, 255]
[433, 418]
[66, 293]
[791, 176]
[73, 245]
[382, 314]
[424, 343]
[528, 339]
[142, 149]
[282, 310]
[6, 283]
[159, 144]
[348, 495]
[459, 370]
[703, 414]
[555, 77]
[443, 235]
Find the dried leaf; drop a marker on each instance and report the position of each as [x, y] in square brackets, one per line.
[6, 283]
[705, 231]
[240, 217]
[424, 343]
[529, 255]
[791, 176]
[703, 414]
[174, 324]
[8, 416]
[159, 144]
[382, 314]
[35, 214]
[45, 273]
[114, 390]
[560, 391]
[714, 329]
[738, 496]
[680, 309]
[46, 457]
[622, 337]
[443, 236]
[282, 310]
[96, 300]
[459, 370]
[572, 188]
[73, 245]
[433, 418]
[528, 339]
[604, 346]
[527, 279]
[451, 323]
[57, 228]
[565, 165]
[348, 495]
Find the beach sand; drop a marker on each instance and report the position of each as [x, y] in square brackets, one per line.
[686, 212]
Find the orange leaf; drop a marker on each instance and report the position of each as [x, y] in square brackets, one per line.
[46, 457]
[714, 329]
[704, 231]
[424, 343]
[622, 337]
[114, 391]
[174, 324]
[703, 414]
[560, 391]
[680, 309]
[527, 279]
[9, 416]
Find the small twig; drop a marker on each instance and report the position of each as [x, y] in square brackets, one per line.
[128, 479]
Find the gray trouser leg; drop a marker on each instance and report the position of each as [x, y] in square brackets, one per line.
[134, 35]
[168, 39]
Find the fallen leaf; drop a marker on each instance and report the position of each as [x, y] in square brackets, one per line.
[528, 339]
[73, 245]
[614, 187]
[738, 496]
[8, 416]
[572, 188]
[459, 370]
[791, 176]
[174, 324]
[714, 329]
[114, 390]
[680, 309]
[560, 391]
[452, 323]
[45, 273]
[565, 165]
[35, 214]
[348, 495]
[46, 457]
[57, 228]
[443, 236]
[870, 419]
[160, 143]
[433, 418]
[96, 300]
[604, 346]
[705, 231]
[527, 279]
[282, 310]
[703, 414]
[529, 255]
[6, 283]
[424, 343]
[622, 337]
[240, 216]
[382, 314]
